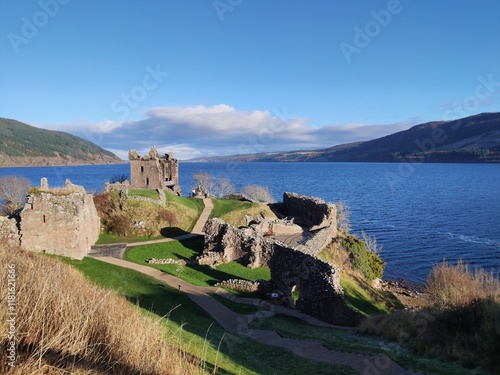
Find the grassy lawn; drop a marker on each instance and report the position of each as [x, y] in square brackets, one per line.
[350, 341]
[365, 299]
[224, 206]
[194, 330]
[196, 275]
[147, 193]
[233, 211]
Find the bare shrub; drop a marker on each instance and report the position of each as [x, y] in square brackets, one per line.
[13, 192]
[104, 204]
[205, 181]
[370, 243]
[64, 322]
[167, 217]
[120, 178]
[451, 286]
[118, 223]
[343, 214]
[225, 187]
[258, 193]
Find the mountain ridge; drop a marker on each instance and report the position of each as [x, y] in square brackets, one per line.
[25, 145]
[473, 139]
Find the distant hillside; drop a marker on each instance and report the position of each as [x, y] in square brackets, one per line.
[25, 145]
[473, 139]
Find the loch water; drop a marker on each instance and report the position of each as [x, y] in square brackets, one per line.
[420, 214]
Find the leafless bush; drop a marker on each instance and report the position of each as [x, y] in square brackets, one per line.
[343, 214]
[13, 192]
[370, 243]
[168, 217]
[258, 193]
[225, 187]
[205, 181]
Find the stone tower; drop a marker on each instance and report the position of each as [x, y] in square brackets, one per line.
[152, 171]
[60, 221]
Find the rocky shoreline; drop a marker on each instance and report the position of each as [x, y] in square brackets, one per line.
[411, 295]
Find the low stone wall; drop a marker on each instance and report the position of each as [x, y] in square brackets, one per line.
[239, 284]
[180, 262]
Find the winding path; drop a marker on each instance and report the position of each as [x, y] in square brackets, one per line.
[364, 364]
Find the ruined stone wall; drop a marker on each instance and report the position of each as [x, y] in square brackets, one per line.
[316, 211]
[9, 232]
[60, 221]
[225, 243]
[318, 284]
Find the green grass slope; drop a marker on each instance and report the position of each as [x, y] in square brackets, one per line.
[22, 144]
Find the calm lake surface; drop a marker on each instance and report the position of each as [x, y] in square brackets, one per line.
[420, 214]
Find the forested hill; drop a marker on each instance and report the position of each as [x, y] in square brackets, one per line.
[26, 145]
[473, 139]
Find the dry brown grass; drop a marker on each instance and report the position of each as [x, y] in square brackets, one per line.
[451, 286]
[462, 321]
[64, 324]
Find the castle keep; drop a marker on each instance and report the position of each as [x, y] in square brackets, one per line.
[152, 171]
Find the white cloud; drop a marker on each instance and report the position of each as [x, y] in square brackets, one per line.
[222, 130]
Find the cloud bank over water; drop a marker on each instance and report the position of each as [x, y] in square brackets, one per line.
[224, 130]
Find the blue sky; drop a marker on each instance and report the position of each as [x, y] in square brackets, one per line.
[214, 77]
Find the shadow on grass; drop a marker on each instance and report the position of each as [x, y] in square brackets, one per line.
[170, 232]
[165, 301]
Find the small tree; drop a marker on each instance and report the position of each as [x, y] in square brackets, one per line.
[206, 182]
[258, 194]
[13, 192]
[225, 187]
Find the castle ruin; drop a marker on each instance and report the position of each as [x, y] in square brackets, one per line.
[152, 171]
[61, 221]
[293, 267]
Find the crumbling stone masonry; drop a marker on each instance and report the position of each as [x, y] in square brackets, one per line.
[60, 221]
[225, 243]
[9, 232]
[317, 282]
[154, 172]
[314, 212]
